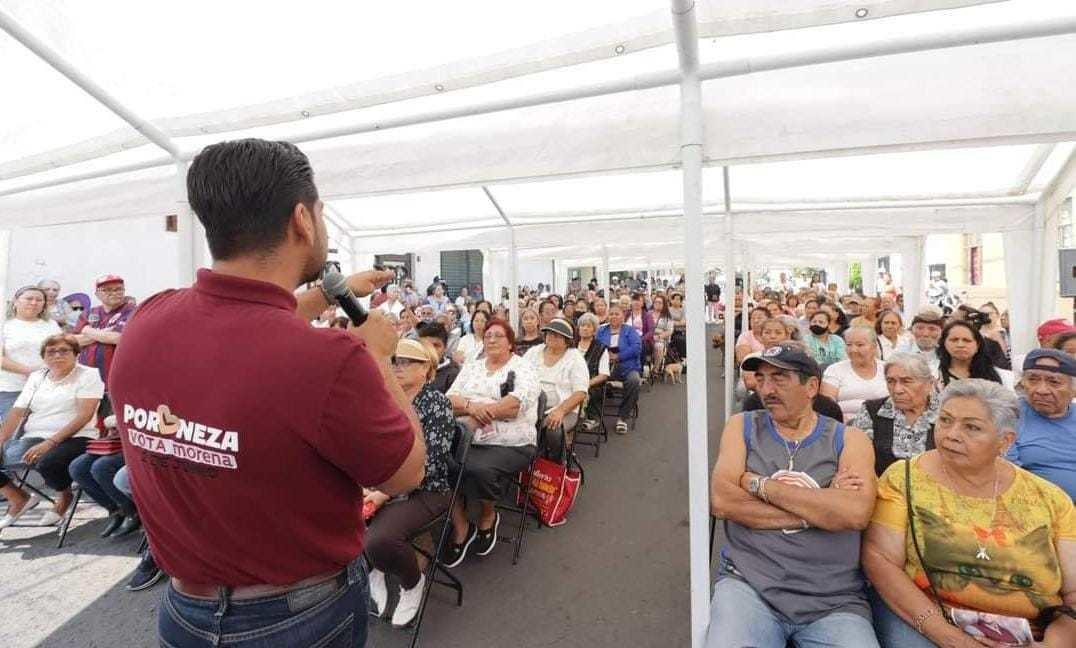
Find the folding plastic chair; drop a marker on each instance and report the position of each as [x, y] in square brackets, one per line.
[461, 447]
[522, 486]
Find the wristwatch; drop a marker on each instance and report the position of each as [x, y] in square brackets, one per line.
[754, 484]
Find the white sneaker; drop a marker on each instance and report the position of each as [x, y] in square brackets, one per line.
[379, 593]
[407, 608]
[9, 519]
[50, 518]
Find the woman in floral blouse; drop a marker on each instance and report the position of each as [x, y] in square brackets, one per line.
[388, 538]
[901, 425]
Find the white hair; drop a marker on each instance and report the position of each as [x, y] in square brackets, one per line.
[914, 364]
[1001, 402]
[866, 330]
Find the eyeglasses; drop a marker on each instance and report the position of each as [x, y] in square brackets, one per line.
[76, 308]
[57, 353]
[404, 363]
[112, 291]
[494, 336]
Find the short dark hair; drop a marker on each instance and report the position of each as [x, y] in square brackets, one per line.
[433, 330]
[244, 192]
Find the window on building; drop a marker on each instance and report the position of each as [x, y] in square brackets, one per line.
[461, 268]
[975, 265]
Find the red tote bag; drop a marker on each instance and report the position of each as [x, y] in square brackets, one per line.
[554, 487]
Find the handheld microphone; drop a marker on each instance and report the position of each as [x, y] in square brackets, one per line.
[335, 286]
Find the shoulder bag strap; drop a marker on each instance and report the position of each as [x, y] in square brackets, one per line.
[915, 539]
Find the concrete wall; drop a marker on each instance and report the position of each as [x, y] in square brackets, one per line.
[140, 250]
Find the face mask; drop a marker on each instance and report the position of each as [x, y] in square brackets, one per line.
[818, 329]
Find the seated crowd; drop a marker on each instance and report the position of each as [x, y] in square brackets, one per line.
[460, 361]
[896, 487]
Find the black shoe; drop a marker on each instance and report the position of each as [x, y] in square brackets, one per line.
[145, 575]
[131, 523]
[486, 540]
[115, 519]
[455, 553]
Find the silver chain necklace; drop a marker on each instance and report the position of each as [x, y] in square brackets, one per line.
[793, 447]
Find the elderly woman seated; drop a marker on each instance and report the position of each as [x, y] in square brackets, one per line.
[388, 537]
[860, 377]
[596, 356]
[902, 423]
[56, 411]
[959, 531]
[497, 396]
[562, 376]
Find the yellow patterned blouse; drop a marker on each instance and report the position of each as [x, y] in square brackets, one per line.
[1007, 565]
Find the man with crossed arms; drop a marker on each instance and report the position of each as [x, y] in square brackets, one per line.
[795, 490]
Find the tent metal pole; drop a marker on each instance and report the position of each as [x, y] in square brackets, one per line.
[76, 76]
[730, 300]
[691, 155]
[513, 291]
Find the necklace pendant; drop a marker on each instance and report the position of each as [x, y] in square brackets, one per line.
[982, 555]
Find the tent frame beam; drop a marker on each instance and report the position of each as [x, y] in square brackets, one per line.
[839, 52]
[88, 85]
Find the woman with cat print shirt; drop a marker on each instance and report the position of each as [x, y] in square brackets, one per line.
[984, 536]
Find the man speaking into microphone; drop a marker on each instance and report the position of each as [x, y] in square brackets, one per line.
[249, 434]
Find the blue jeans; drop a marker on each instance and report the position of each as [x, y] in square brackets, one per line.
[893, 631]
[95, 473]
[328, 615]
[739, 617]
[122, 482]
[7, 401]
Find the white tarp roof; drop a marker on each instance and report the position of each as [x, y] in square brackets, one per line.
[959, 139]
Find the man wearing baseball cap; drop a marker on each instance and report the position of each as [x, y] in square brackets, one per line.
[99, 330]
[926, 330]
[1046, 436]
[787, 468]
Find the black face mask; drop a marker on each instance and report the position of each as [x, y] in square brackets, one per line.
[818, 329]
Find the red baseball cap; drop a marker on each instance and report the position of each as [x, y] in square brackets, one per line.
[107, 279]
[1050, 328]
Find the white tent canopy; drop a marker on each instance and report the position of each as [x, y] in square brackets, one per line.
[565, 130]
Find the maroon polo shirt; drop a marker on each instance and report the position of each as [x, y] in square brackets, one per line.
[256, 477]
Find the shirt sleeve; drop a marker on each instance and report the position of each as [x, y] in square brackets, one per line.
[362, 430]
[90, 384]
[891, 507]
[862, 420]
[526, 384]
[603, 364]
[32, 383]
[832, 376]
[1064, 513]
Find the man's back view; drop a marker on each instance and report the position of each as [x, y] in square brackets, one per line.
[248, 433]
